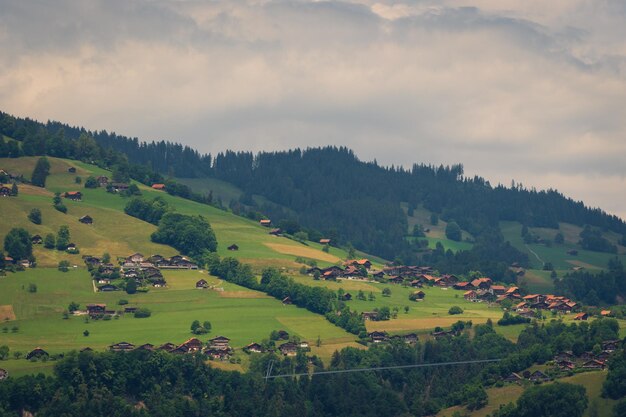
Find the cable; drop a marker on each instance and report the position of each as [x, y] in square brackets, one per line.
[382, 368]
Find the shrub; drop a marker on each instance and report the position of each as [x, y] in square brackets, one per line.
[142, 313]
[35, 216]
[455, 310]
[64, 266]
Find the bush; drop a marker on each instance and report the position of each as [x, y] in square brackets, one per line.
[64, 266]
[509, 319]
[455, 310]
[453, 231]
[35, 216]
[91, 182]
[49, 242]
[142, 313]
[122, 302]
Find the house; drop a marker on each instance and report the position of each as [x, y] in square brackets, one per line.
[168, 347]
[498, 289]
[325, 241]
[594, 364]
[37, 353]
[581, 316]
[219, 354]
[265, 222]
[418, 295]
[121, 347]
[304, 345]
[149, 347]
[130, 309]
[96, 309]
[135, 258]
[469, 295]
[219, 342]
[610, 345]
[191, 345]
[71, 247]
[87, 219]
[378, 337]
[564, 356]
[156, 259]
[254, 348]
[283, 335]
[102, 181]
[130, 273]
[233, 247]
[117, 187]
[565, 365]
[513, 377]
[346, 297]
[4, 374]
[36, 240]
[71, 170]
[410, 338]
[86, 349]
[606, 313]
[369, 315]
[158, 186]
[25, 263]
[481, 283]
[396, 280]
[73, 195]
[461, 285]
[107, 288]
[603, 356]
[202, 284]
[276, 232]
[449, 279]
[5, 191]
[287, 300]
[443, 333]
[416, 283]
[288, 349]
[538, 376]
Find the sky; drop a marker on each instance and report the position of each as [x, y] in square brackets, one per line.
[532, 91]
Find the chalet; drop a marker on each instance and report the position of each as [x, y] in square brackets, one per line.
[429, 279]
[364, 263]
[369, 315]
[4, 374]
[73, 195]
[233, 247]
[304, 345]
[158, 282]
[25, 263]
[283, 335]
[513, 292]
[191, 345]
[443, 333]
[288, 349]
[149, 347]
[158, 186]
[219, 354]
[135, 258]
[96, 309]
[606, 313]
[167, 347]
[71, 247]
[538, 376]
[526, 312]
[254, 348]
[533, 298]
[131, 273]
[541, 305]
[449, 279]
[521, 306]
[461, 285]
[102, 181]
[325, 241]
[594, 364]
[564, 356]
[378, 337]
[5, 191]
[219, 342]
[416, 283]
[378, 274]
[418, 295]
[346, 297]
[410, 338]
[9, 260]
[482, 283]
[155, 259]
[577, 268]
[287, 300]
[581, 316]
[470, 295]
[37, 353]
[513, 377]
[122, 347]
[106, 269]
[395, 280]
[265, 222]
[202, 284]
[184, 264]
[610, 345]
[130, 309]
[276, 232]
[86, 349]
[498, 289]
[36, 240]
[603, 356]
[565, 365]
[107, 288]
[87, 219]
[117, 186]
[71, 170]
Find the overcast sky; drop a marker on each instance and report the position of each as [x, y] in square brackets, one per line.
[530, 90]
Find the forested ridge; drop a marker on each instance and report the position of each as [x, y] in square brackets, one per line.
[330, 189]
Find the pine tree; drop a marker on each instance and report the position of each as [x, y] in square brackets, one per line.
[41, 172]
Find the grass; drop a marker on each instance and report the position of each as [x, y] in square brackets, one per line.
[437, 233]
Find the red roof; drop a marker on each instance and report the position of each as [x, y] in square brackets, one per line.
[158, 186]
[72, 192]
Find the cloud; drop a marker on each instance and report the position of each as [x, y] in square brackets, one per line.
[523, 90]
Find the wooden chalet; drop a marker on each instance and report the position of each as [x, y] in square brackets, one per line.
[202, 284]
[86, 349]
[36, 240]
[254, 348]
[395, 280]
[25, 263]
[449, 279]
[265, 222]
[538, 376]
[135, 258]
[283, 335]
[325, 241]
[191, 345]
[481, 283]
[107, 288]
[419, 294]
[276, 232]
[233, 247]
[122, 347]
[73, 195]
[5, 191]
[378, 337]
[37, 353]
[288, 349]
[565, 365]
[594, 364]
[287, 300]
[118, 186]
[369, 315]
[606, 313]
[581, 316]
[462, 285]
[470, 295]
[131, 273]
[71, 247]
[167, 347]
[220, 342]
[130, 309]
[4, 374]
[158, 186]
[610, 345]
[87, 219]
[96, 309]
[603, 356]
[498, 289]
[102, 181]
[410, 338]
[513, 377]
[416, 283]
[564, 356]
[147, 346]
[219, 354]
[443, 333]
[71, 170]
[346, 297]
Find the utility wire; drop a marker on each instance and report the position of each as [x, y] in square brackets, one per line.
[382, 368]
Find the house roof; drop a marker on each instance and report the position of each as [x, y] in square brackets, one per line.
[73, 193]
[158, 186]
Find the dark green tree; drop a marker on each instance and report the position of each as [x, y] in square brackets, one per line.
[63, 237]
[35, 216]
[554, 400]
[453, 231]
[49, 242]
[41, 172]
[18, 245]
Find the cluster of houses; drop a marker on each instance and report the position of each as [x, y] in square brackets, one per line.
[144, 271]
[96, 311]
[382, 337]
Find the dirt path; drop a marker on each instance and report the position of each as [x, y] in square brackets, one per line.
[535, 253]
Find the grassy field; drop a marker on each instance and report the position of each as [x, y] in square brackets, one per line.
[238, 313]
[592, 381]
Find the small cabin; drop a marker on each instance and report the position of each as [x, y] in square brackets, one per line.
[254, 348]
[36, 240]
[233, 247]
[121, 347]
[265, 222]
[71, 170]
[325, 241]
[87, 219]
[102, 181]
[158, 186]
[287, 300]
[4, 191]
[202, 284]
[73, 195]
[37, 353]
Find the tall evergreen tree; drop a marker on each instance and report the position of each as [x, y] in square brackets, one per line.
[41, 172]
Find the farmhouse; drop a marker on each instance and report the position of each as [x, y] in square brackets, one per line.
[513, 377]
[287, 300]
[346, 297]
[168, 347]
[254, 348]
[417, 295]
[102, 181]
[581, 316]
[369, 315]
[202, 284]
[73, 195]
[191, 345]
[325, 241]
[158, 186]
[135, 258]
[233, 247]
[498, 289]
[416, 283]
[265, 222]
[219, 342]
[71, 247]
[146, 346]
[469, 295]
[276, 232]
[378, 337]
[288, 349]
[396, 280]
[610, 345]
[108, 287]
[37, 353]
[121, 347]
[462, 285]
[36, 240]
[594, 364]
[481, 283]
[96, 309]
[118, 186]
[538, 376]
[87, 219]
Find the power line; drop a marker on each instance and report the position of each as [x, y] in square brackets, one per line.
[380, 368]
